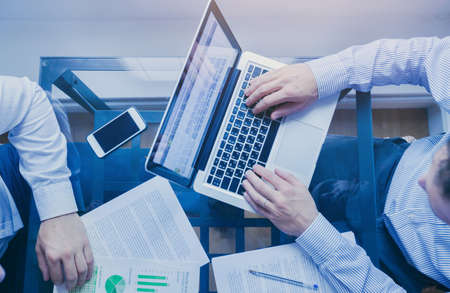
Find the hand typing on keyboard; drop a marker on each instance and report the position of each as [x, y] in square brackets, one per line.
[286, 90]
[246, 141]
[285, 201]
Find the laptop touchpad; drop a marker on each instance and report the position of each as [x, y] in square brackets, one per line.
[299, 149]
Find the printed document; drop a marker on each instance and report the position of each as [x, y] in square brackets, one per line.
[121, 275]
[232, 271]
[145, 225]
[145, 222]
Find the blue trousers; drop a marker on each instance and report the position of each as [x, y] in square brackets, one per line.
[19, 188]
[13, 260]
[335, 188]
[335, 182]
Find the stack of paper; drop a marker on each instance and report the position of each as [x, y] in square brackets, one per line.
[147, 224]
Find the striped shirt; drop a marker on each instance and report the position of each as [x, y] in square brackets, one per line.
[422, 237]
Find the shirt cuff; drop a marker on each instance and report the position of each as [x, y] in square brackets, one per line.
[331, 75]
[55, 200]
[320, 240]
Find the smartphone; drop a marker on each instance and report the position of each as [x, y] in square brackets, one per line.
[116, 132]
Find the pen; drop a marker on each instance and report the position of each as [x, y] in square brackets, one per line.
[314, 287]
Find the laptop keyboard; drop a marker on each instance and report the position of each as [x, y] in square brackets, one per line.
[247, 141]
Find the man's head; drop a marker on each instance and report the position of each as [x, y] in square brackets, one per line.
[436, 182]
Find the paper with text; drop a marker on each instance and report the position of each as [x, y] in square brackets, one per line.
[288, 261]
[145, 222]
[137, 275]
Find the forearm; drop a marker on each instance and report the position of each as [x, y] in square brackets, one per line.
[34, 132]
[344, 264]
[382, 62]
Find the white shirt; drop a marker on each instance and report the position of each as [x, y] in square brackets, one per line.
[26, 113]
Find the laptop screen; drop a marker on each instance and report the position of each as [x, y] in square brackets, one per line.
[187, 119]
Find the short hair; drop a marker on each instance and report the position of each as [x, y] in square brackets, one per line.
[443, 174]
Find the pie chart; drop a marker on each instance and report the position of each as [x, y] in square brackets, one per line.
[115, 284]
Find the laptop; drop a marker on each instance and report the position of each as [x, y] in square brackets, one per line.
[208, 138]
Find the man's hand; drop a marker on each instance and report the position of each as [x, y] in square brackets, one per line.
[63, 251]
[287, 203]
[286, 90]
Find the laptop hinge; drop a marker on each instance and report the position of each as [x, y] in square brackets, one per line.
[216, 121]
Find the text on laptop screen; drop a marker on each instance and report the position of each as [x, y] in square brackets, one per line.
[194, 101]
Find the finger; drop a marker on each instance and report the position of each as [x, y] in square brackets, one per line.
[70, 271]
[55, 269]
[271, 100]
[257, 82]
[269, 176]
[260, 210]
[251, 195]
[258, 199]
[82, 268]
[286, 109]
[261, 187]
[89, 261]
[287, 176]
[262, 91]
[42, 263]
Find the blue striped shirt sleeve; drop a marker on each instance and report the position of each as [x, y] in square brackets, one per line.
[344, 264]
[419, 61]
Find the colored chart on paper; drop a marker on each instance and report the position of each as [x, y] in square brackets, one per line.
[90, 286]
[115, 284]
[149, 283]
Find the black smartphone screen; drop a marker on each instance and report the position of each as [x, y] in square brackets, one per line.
[116, 132]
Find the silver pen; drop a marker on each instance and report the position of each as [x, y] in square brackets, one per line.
[314, 287]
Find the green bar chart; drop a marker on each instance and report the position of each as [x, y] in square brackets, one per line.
[151, 283]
